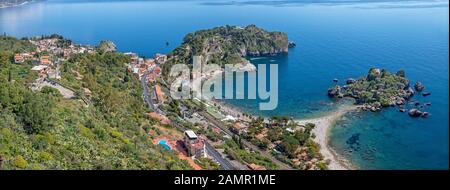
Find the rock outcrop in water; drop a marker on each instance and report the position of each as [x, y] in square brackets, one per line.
[106, 46]
[379, 89]
[419, 86]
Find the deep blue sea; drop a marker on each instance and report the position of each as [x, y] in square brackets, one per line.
[335, 39]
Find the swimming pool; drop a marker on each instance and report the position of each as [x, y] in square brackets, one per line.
[164, 144]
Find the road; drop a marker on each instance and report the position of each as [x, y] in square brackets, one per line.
[66, 93]
[147, 98]
[210, 150]
[249, 145]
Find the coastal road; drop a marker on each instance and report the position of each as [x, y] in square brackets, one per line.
[249, 145]
[210, 150]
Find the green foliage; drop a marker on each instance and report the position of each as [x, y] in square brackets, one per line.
[207, 164]
[235, 151]
[229, 44]
[50, 132]
[19, 162]
[378, 86]
[15, 45]
[37, 113]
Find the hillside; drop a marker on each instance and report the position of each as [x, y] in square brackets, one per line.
[43, 130]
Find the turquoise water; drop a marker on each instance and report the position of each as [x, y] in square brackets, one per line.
[164, 144]
[334, 40]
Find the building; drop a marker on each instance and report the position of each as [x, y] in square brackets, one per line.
[238, 128]
[45, 60]
[18, 58]
[159, 94]
[160, 58]
[253, 166]
[41, 69]
[195, 146]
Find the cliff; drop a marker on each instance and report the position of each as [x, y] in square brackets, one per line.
[230, 44]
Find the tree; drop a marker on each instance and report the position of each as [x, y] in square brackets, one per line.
[290, 145]
[4, 59]
[37, 112]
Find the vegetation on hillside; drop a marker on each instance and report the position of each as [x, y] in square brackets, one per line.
[42, 130]
[229, 45]
[14, 45]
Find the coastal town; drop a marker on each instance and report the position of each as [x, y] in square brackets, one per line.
[212, 123]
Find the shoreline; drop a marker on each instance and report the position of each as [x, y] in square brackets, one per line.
[322, 132]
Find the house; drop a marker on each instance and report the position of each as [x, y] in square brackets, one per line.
[195, 146]
[238, 128]
[160, 58]
[18, 58]
[136, 72]
[41, 69]
[157, 71]
[159, 94]
[253, 166]
[45, 60]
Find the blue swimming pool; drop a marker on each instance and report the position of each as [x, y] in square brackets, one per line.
[164, 144]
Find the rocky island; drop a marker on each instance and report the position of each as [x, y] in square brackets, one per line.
[230, 45]
[379, 89]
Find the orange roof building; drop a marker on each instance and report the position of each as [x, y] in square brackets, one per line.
[157, 70]
[18, 58]
[159, 93]
[253, 166]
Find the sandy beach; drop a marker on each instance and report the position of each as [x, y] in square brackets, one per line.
[321, 130]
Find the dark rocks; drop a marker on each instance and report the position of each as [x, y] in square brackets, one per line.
[334, 92]
[428, 103]
[425, 114]
[401, 73]
[414, 113]
[419, 86]
[426, 93]
[350, 81]
[399, 101]
[291, 44]
[402, 110]
[373, 74]
[409, 93]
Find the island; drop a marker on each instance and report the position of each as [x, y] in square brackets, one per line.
[380, 88]
[230, 45]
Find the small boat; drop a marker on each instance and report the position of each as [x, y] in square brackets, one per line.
[426, 93]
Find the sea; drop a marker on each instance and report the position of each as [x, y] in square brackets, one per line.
[335, 40]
